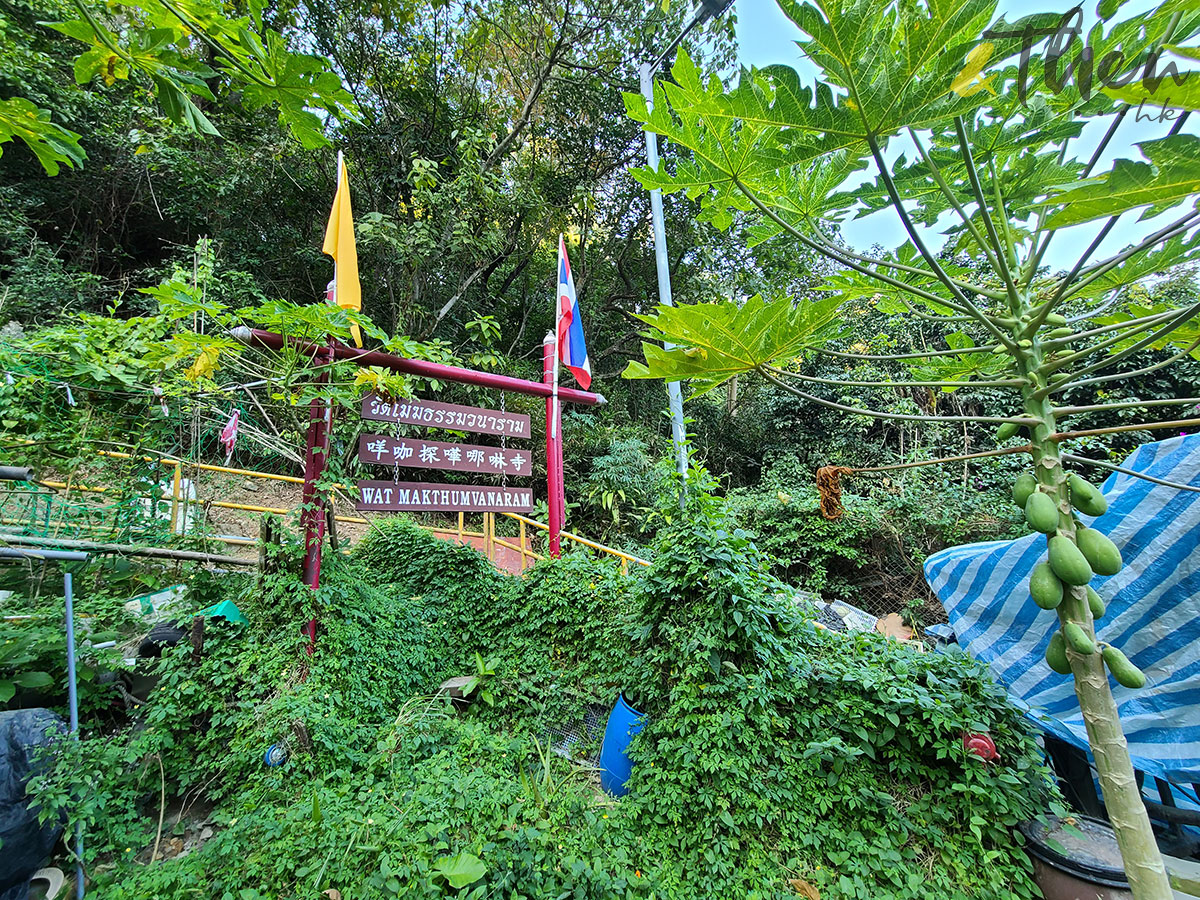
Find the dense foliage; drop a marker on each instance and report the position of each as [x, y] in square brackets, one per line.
[773, 750]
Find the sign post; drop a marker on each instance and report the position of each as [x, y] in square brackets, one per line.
[320, 422]
[554, 473]
[313, 515]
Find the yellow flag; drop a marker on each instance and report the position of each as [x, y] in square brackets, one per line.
[339, 243]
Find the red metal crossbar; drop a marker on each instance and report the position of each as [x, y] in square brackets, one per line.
[268, 340]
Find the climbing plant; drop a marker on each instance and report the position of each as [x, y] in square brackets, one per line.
[936, 112]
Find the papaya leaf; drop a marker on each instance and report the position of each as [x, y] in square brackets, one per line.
[986, 364]
[179, 106]
[1178, 251]
[715, 341]
[1179, 338]
[298, 85]
[1171, 177]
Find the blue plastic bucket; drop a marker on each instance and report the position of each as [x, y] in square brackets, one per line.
[615, 768]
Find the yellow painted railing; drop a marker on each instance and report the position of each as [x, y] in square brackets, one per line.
[487, 535]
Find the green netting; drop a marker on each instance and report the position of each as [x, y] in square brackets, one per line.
[37, 512]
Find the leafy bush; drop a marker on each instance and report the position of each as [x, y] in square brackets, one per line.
[773, 751]
[33, 652]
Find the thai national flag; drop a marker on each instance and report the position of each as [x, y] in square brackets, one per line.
[572, 351]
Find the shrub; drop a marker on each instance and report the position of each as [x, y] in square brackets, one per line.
[773, 749]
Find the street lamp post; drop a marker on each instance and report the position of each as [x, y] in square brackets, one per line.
[707, 10]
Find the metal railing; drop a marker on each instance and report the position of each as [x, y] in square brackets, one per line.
[490, 542]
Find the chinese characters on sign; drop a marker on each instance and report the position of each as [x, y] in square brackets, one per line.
[445, 415]
[389, 496]
[378, 449]
[419, 453]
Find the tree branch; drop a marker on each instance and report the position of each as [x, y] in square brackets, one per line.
[1112, 326]
[1112, 467]
[534, 93]
[1162, 234]
[1127, 404]
[872, 357]
[953, 200]
[899, 267]
[1036, 259]
[812, 379]
[1187, 313]
[1121, 376]
[1003, 451]
[768, 372]
[977, 189]
[915, 237]
[1060, 436]
[838, 257]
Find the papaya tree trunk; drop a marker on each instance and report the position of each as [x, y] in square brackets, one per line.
[1122, 798]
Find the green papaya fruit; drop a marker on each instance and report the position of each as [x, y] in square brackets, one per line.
[1068, 563]
[1086, 498]
[1056, 319]
[1127, 674]
[1044, 587]
[1095, 603]
[1041, 512]
[1056, 655]
[1077, 639]
[1023, 487]
[1101, 553]
[1057, 333]
[1007, 430]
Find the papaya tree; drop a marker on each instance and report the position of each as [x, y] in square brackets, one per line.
[988, 140]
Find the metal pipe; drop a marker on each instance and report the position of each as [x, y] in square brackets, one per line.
[256, 337]
[48, 555]
[73, 709]
[554, 490]
[663, 265]
[128, 550]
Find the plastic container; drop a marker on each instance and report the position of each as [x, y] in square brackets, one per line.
[615, 768]
[1067, 866]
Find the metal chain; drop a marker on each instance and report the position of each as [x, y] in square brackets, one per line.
[504, 444]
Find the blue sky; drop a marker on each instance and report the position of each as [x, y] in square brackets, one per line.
[766, 36]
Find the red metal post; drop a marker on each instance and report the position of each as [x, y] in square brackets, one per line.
[312, 516]
[562, 477]
[554, 489]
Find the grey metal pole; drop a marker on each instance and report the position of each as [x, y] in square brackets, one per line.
[674, 394]
[72, 691]
[73, 706]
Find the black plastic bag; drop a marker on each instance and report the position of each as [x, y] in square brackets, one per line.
[24, 844]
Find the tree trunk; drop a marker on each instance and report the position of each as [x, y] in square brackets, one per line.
[1123, 799]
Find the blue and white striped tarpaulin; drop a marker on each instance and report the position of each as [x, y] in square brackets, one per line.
[1153, 612]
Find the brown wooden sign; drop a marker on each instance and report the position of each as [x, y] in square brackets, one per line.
[445, 415]
[381, 450]
[414, 496]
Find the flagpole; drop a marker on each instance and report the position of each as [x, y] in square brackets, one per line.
[557, 314]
